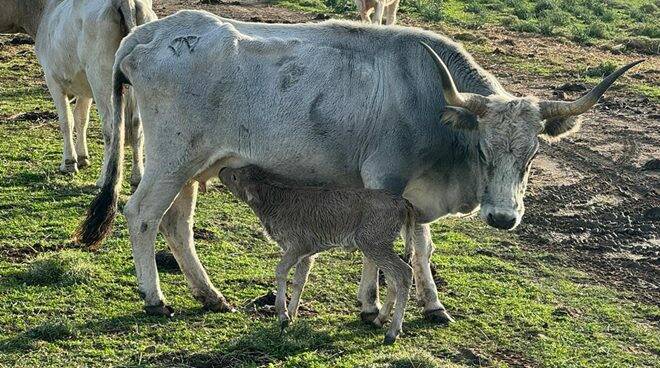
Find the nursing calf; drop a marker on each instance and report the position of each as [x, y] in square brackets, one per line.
[307, 220]
[75, 42]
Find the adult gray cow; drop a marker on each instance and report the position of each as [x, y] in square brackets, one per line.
[337, 102]
[75, 42]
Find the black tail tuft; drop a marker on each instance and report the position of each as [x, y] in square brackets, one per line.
[100, 217]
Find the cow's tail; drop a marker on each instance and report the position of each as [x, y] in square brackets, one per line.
[410, 223]
[103, 209]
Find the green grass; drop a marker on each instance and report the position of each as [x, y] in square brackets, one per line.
[583, 21]
[68, 307]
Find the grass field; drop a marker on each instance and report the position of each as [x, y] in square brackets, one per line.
[65, 307]
[583, 21]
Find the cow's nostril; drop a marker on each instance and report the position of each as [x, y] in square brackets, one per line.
[503, 221]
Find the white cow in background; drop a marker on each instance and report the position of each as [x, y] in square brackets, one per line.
[380, 9]
[75, 42]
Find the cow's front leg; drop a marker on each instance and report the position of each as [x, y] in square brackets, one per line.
[177, 226]
[69, 163]
[427, 293]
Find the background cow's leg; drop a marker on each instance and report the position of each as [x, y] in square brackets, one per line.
[81, 119]
[177, 226]
[69, 164]
[390, 12]
[135, 137]
[427, 293]
[144, 211]
[378, 14]
[297, 286]
[98, 80]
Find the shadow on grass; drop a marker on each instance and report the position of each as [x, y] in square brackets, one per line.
[262, 345]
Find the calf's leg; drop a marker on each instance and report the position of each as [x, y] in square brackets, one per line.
[69, 163]
[299, 280]
[368, 291]
[290, 257]
[81, 119]
[177, 226]
[399, 279]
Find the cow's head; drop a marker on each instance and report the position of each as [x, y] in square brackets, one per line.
[509, 128]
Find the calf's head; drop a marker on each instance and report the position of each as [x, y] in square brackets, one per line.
[242, 182]
[508, 128]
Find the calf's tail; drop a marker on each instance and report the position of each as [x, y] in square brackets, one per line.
[410, 223]
[103, 209]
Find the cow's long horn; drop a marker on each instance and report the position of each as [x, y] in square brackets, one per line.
[473, 102]
[562, 109]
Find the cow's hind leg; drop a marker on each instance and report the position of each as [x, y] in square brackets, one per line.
[427, 293]
[135, 137]
[144, 211]
[81, 119]
[69, 164]
[299, 280]
[177, 226]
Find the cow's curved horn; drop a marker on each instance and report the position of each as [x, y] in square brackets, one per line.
[473, 102]
[562, 109]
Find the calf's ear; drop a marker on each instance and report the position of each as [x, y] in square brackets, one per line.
[459, 118]
[252, 195]
[558, 128]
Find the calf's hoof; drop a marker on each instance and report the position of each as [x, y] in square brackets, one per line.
[439, 316]
[83, 162]
[69, 167]
[368, 317]
[389, 339]
[159, 310]
[380, 321]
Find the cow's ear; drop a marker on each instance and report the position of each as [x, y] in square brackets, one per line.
[459, 118]
[556, 129]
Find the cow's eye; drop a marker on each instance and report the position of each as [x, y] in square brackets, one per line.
[233, 177]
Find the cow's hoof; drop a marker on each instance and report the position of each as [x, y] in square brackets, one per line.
[389, 340]
[159, 310]
[368, 317]
[69, 167]
[439, 316]
[219, 306]
[83, 162]
[285, 321]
